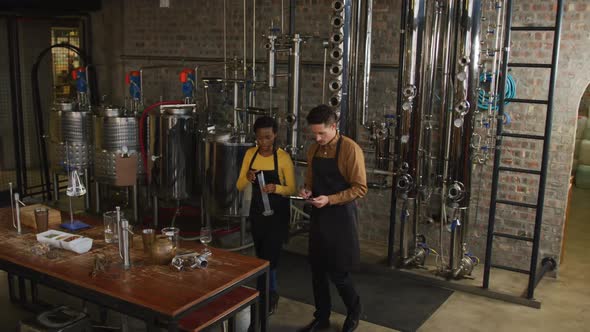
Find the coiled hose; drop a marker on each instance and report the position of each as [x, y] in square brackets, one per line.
[483, 100]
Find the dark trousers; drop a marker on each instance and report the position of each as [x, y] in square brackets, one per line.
[321, 291]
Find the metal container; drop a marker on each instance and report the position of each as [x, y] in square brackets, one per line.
[223, 159]
[162, 250]
[115, 134]
[175, 163]
[68, 124]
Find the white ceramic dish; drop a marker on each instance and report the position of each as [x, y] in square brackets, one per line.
[58, 239]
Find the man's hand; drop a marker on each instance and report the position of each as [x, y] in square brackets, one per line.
[320, 201]
[305, 193]
[270, 188]
[251, 175]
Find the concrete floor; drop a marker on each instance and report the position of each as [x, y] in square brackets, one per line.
[565, 301]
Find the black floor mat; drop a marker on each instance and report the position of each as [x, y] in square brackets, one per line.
[388, 298]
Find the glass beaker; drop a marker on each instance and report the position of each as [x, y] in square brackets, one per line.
[173, 233]
[148, 236]
[206, 238]
[111, 234]
[41, 219]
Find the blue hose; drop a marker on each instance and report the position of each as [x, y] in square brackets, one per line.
[483, 99]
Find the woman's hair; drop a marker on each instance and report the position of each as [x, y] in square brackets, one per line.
[266, 122]
[322, 114]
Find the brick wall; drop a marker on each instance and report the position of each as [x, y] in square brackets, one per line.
[195, 29]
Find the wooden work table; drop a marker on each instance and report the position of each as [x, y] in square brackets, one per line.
[153, 293]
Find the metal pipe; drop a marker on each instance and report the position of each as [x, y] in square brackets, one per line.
[219, 61]
[547, 264]
[87, 183]
[324, 72]
[236, 98]
[429, 78]
[466, 85]
[445, 109]
[97, 197]
[17, 208]
[253, 101]
[412, 115]
[292, 8]
[88, 96]
[397, 141]
[12, 34]
[12, 204]
[294, 92]
[367, 62]
[119, 232]
[135, 189]
[55, 187]
[409, 122]
[271, 58]
[125, 240]
[141, 101]
[245, 63]
[353, 74]
[497, 43]
[225, 39]
[342, 100]
[164, 106]
[155, 210]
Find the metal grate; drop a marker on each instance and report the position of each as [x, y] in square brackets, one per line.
[64, 61]
[7, 164]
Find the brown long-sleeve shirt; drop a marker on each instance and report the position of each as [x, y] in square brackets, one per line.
[351, 164]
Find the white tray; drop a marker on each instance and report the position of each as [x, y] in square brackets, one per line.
[58, 239]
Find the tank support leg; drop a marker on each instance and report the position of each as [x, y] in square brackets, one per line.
[135, 209]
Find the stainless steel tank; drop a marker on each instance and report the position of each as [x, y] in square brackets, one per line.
[223, 160]
[115, 134]
[175, 159]
[72, 126]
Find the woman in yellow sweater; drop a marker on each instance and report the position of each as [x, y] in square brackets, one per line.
[269, 232]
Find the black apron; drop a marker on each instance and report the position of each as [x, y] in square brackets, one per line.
[269, 232]
[333, 236]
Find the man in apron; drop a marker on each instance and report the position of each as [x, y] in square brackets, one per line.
[335, 179]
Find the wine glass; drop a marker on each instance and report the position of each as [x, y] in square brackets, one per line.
[206, 238]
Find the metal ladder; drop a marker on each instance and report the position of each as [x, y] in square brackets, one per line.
[534, 278]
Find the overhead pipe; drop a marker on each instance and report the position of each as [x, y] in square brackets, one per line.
[387, 67]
